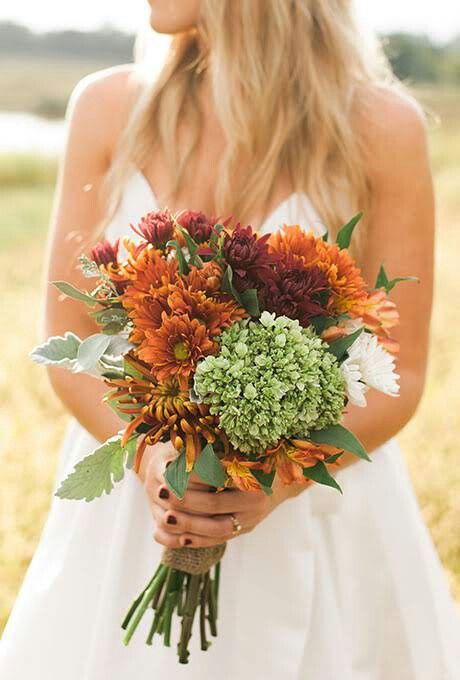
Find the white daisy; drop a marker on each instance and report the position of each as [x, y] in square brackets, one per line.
[356, 389]
[376, 365]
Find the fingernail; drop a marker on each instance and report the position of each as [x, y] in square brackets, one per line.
[188, 541]
[171, 519]
[164, 493]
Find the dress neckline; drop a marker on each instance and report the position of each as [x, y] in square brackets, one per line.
[278, 209]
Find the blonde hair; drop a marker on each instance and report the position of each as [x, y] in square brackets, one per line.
[285, 75]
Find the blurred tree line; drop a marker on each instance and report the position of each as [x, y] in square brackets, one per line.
[414, 57]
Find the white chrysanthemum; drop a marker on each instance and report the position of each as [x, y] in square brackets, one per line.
[356, 389]
[375, 365]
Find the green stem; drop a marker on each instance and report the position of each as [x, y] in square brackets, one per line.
[146, 600]
[204, 593]
[191, 604]
[215, 585]
[212, 612]
[137, 601]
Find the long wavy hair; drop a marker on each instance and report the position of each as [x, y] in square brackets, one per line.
[285, 76]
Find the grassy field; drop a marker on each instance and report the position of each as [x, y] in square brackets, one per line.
[41, 85]
[32, 421]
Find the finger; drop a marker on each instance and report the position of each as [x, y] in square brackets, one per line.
[168, 540]
[203, 502]
[176, 522]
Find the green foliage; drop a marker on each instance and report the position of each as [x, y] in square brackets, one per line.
[339, 347]
[209, 468]
[320, 474]
[176, 476]
[341, 438]
[343, 239]
[97, 473]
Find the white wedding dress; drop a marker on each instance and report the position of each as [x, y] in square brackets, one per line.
[328, 587]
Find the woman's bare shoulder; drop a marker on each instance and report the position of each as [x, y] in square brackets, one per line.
[101, 102]
[392, 127]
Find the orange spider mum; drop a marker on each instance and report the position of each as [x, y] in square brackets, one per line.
[291, 458]
[214, 314]
[166, 412]
[239, 471]
[176, 347]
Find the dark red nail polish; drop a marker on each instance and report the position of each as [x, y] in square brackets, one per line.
[164, 493]
[171, 519]
[188, 541]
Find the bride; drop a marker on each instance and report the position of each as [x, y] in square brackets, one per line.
[278, 111]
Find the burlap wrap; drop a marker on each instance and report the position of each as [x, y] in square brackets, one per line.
[193, 560]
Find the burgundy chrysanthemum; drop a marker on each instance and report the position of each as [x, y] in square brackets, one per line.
[198, 225]
[249, 257]
[296, 291]
[156, 227]
[105, 253]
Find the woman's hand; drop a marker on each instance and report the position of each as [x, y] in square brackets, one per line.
[203, 517]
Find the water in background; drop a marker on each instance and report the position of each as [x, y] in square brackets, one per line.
[26, 133]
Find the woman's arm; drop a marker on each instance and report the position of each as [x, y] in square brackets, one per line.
[399, 234]
[97, 111]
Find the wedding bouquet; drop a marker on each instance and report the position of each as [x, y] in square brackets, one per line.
[241, 350]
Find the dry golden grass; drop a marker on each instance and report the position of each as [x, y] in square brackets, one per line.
[32, 421]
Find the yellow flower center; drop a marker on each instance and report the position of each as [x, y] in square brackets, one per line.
[181, 351]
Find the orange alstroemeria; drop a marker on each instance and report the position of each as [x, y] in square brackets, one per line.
[291, 458]
[379, 315]
[239, 471]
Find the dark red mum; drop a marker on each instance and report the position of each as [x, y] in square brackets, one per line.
[198, 225]
[156, 227]
[296, 291]
[105, 253]
[248, 257]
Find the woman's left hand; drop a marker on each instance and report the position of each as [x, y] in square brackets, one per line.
[204, 518]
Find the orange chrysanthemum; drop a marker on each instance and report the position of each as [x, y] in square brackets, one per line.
[239, 472]
[347, 287]
[166, 412]
[293, 240]
[291, 458]
[214, 314]
[148, 272]
[207, 279]
[176, 347]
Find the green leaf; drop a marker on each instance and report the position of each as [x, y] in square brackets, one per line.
[131, 448]
[111, 315]
[250, 302]
[248, 299]
[334, 458]
[88, 267]
[97, 473]
[339, 347]
[90, 351]
[343, 239]
[341, 438]
[265, 480]
[191, 244]
[321, 323]
[319, 473]
[218, 228]
[325, 236]
[74, 293]
[182, 262]
[384, 282]
[209, 468]
[58, 350]
[177, 477]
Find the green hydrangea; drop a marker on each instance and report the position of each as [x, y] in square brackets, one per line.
[271, 379]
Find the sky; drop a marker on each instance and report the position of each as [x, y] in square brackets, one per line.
[440, 19]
